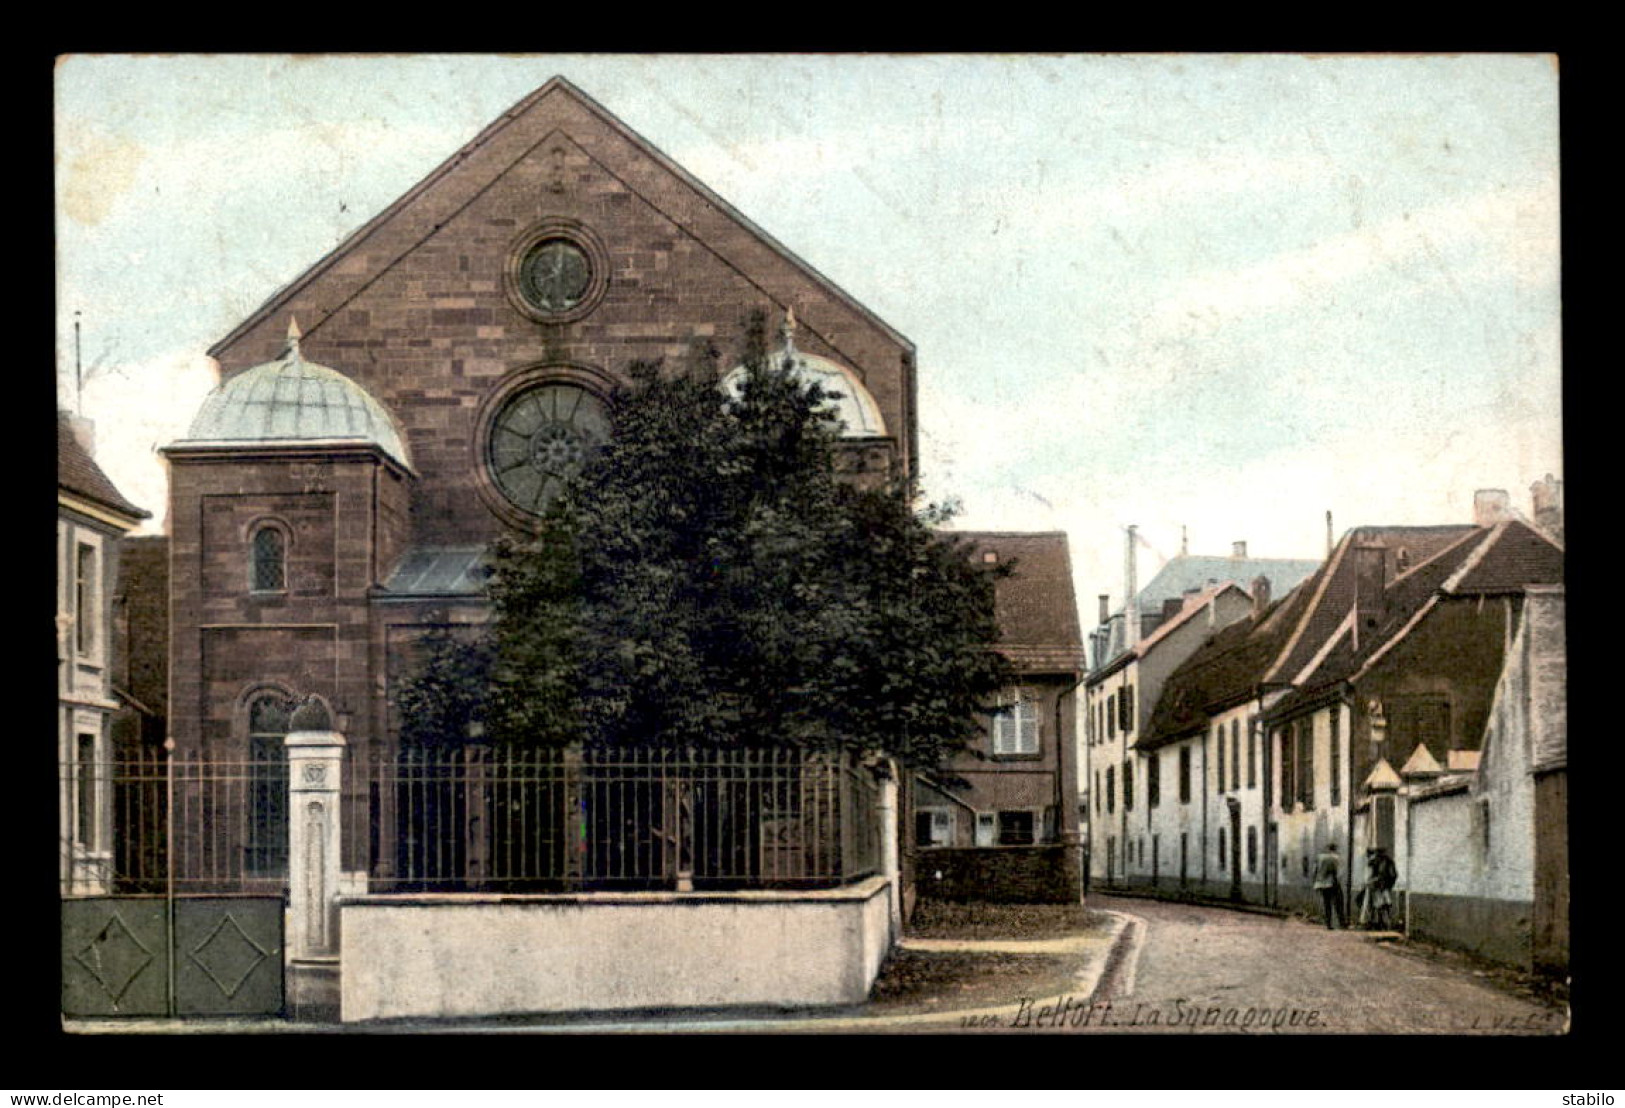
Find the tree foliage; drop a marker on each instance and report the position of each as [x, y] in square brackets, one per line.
[708, 580]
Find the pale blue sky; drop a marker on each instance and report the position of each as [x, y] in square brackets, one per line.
[1223, 292]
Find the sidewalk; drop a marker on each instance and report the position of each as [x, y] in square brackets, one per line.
[932, 983]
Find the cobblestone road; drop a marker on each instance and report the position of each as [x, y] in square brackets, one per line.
[1212, 967]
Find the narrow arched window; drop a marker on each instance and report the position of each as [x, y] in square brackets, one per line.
[266, 847]
[269, 555]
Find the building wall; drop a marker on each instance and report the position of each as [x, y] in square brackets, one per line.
[313, 637]
[1304, 831]
[428, 326]
[1108, 748]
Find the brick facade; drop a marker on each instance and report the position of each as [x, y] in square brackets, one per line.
[420, 308]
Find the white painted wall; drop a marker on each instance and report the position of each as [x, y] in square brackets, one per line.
[470, 955]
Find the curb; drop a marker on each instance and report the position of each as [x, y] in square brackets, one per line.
[1195, 902]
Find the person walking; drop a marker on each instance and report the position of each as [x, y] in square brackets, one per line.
[1380, 888]
[1328, 870]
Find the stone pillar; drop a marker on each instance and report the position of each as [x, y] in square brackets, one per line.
[890, 866]
[315, 764]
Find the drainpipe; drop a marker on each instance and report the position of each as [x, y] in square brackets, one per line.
[1272, 856]
[1061, 801]
[1348, 797]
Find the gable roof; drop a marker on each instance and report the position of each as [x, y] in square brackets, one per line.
[78, 473]
[1513, 556]
[1333, 589]
[1036, 607]
[1223, 671]
[423, 209]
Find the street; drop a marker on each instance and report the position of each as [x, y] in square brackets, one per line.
[1211, 967]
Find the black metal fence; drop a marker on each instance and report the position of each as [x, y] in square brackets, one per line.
[481, 818]
[154, 823]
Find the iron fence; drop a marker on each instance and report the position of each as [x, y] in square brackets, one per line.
[157, 823]
[483, 818]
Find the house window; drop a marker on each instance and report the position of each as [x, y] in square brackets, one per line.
[1128, 786]
[1252, 757]
[1184, 774]
[985, 828]
[84, 826]
[84, 598]
[1221, 848]
[267, 840]
[1335, 770]
[1111, 716]
[1015, 727]
[1218, 739]
[269, 559]
[1252, 850]
[1111, 790]
[1235, 755]
[1097, 790]
[1153, 779]
[1306, 762]
[1283, 739]
[1016, 828]
[933, 827]
[1125, 705]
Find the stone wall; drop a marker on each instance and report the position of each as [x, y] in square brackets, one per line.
[473, 955]
[1001, 874]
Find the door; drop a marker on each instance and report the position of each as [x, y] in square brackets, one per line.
[1235, 848]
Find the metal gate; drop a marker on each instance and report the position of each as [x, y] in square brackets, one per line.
[171, 905]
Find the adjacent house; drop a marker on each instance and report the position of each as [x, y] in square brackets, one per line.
[1362, 710]
[1179, 578]
[1007, 829]
[91, 518]
[1139, 794]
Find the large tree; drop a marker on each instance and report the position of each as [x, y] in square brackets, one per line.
[708, 580]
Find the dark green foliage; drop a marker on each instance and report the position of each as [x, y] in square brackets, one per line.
[711, 582]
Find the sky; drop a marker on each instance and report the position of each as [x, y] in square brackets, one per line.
[1212, 296]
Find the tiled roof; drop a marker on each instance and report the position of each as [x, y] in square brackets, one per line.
[1036, 606]
[1185, 572]
[1514, 556]
[1224, 670]
[1333, 588]
[77, 472]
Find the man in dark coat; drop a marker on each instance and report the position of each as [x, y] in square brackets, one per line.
[1327, 872]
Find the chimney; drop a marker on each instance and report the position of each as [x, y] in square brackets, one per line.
[1105, 610]
[1238, 549]
[1261, 595]
[1546, 495]
[1328, 534]
[1131, 589]
[84, 430]
[1491, 506]
[1173, 605]
[1370, 574]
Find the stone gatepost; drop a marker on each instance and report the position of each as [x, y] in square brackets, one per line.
[315, 766]
[890, 862]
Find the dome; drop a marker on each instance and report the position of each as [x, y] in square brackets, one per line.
[859, 414]
[292, 399]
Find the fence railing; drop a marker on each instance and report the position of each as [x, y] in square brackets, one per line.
[152, 823]
[481, 818]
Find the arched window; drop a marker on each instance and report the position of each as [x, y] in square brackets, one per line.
[268, 557]
[266, 844]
